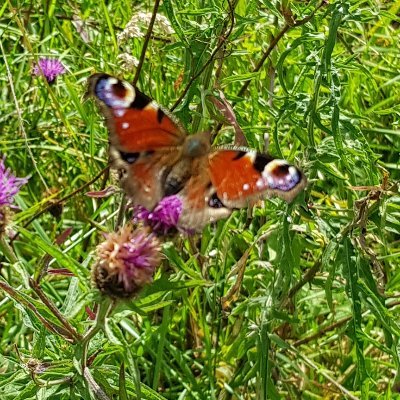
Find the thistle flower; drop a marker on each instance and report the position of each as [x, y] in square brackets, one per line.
[50, 68]
[126, 262]
[9, 184]
[165, 216]
[9, 187]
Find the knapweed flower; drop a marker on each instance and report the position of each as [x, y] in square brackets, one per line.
[165, 216]
[9, 187]
[126, 262]
[50, 67]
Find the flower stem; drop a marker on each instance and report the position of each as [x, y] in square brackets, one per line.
[94, 386]
[104, 308]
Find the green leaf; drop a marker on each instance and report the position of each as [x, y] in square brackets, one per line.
[62, 259]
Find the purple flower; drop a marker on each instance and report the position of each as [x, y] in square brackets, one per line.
[50, 67]
[126, 261]
[9, 185]
[164, 217]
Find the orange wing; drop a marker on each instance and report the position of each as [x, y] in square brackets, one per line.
[227, 179]
[242, 177]
[136, 123]
[145, 141]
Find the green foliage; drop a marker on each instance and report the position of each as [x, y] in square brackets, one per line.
[293, 301]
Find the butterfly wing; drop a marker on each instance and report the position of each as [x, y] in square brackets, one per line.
[200, 203]
[229, 179]
[145, 142]
[241, 177]
[156, 158]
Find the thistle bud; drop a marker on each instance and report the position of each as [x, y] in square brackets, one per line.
[126, 261]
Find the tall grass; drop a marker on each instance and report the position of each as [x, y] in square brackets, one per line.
[291, 301]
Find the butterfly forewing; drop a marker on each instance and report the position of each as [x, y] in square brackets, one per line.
[137, 122]
[144, 141]
[242, 177]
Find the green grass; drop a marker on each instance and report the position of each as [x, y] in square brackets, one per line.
[315, 315]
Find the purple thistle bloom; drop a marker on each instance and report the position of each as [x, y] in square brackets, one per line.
[50, 67]
[127, 260]
[164, 217]
[9, 185]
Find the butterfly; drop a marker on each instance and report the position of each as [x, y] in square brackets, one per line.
[157, 158]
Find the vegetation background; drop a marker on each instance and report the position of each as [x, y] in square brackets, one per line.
[294, 301]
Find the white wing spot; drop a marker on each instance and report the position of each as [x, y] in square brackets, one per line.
[292, 171]
[246, 186]
[119, 112]
[125, 125]
[260, 183]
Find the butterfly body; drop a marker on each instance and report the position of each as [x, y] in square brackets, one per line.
[157, 158]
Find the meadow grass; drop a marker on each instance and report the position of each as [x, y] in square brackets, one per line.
[295, 301]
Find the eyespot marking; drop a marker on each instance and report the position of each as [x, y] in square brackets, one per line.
[114, 93]
[130, 158]
[215, 202]
[282, 176]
